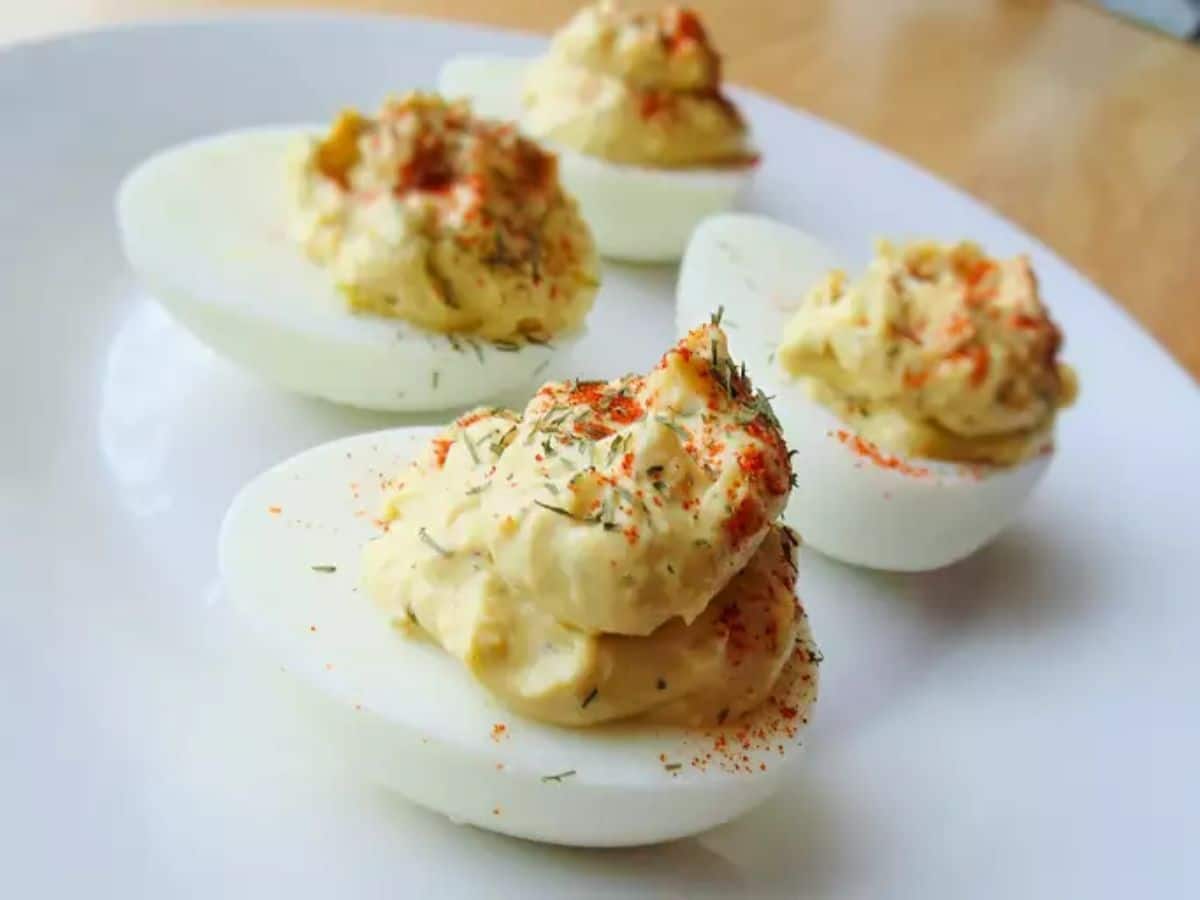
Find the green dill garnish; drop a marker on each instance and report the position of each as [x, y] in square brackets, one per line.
[589, 698]
[606, 510]
[412, 617]
[431, 543]
[551, 487]
[667, 423]
[454, 342]
[537, 426]
[559, 510]
[498, 447]
[506, 346]
[672, 767]
[716, 317]
[557, 778]
[714, 366]
[539, 341]
[670, 568]
[660, 486]
[547, 447]
[815, 656]
[323, 568]
[701, 542]
[762, 404]
[470, 447]
[435, 375]
[615, 448]
[542, 366]
[479, 489]
[654, 471]
[474, 345]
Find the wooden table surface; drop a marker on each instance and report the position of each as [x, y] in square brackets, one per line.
[1081, 127]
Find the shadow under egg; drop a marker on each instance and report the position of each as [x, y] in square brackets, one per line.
[1017, 580]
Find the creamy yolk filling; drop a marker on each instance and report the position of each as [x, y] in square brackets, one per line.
[453, 223]
[637, 89]
[937, 351]
[610, 552]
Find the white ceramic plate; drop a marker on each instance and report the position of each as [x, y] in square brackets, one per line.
[1022, 725]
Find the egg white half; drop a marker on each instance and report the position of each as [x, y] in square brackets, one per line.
[636, 213]
[289, 552]
[846, 505]
[205, 227]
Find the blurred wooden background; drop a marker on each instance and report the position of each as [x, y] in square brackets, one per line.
[1081, 127]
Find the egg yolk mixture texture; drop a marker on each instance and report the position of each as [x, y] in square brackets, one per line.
[453, 223]
[637, 89]
[611, 552]
[937, 351]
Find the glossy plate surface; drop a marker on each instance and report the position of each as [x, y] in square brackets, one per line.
[1021, 725]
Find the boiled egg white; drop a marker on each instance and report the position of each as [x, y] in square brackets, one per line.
[413, 719]
[852, 501]
[636, 213]
[205, 227]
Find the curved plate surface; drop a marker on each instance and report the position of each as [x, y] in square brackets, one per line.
[1022, 724]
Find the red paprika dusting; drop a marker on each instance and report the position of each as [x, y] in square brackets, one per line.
[746, 521]
[624, 410]
[976, 272]
[957, 326]
[682, 27]
[731, 627]
[1031, 323]
[441, 447]
[868, 450]
[627, 465]
[471, 418]
[428, 169]
[593, 430]
[980, 361]
[733, 747]
[652, 103]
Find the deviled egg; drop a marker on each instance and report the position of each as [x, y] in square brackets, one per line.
[575, 624]
[421, 259]
[632, 102]
[921, 398]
